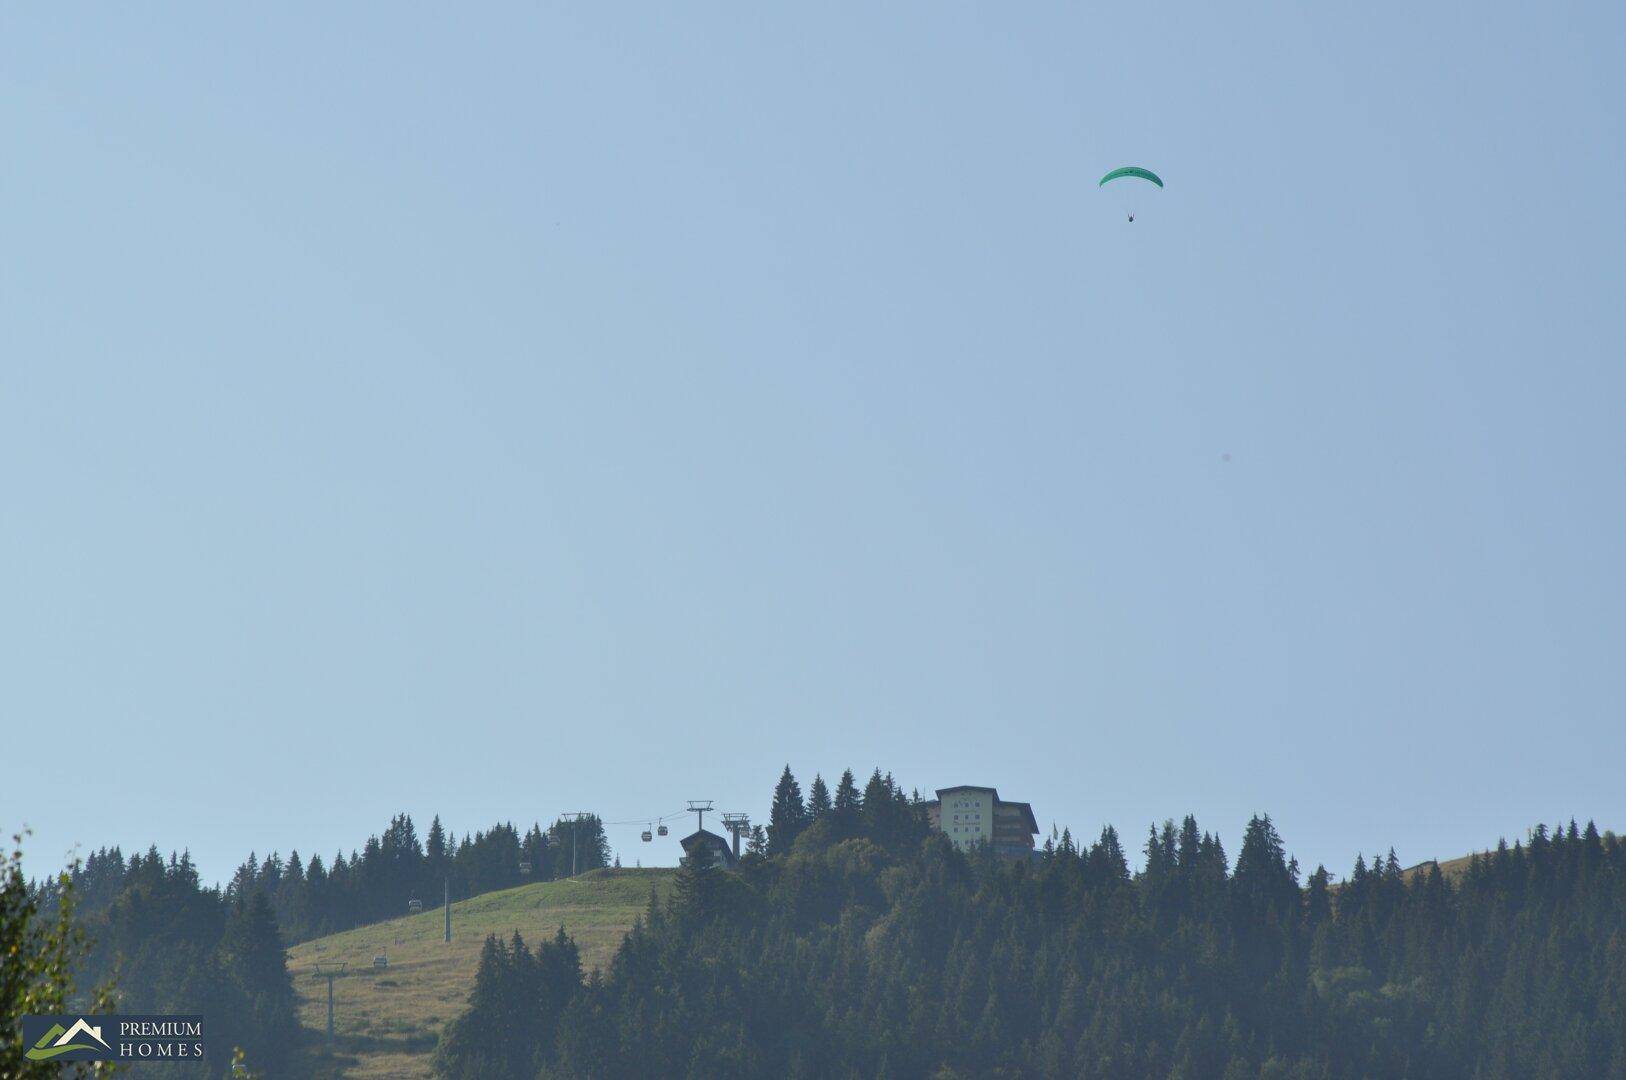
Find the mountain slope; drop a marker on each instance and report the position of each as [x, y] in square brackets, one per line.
[1451, 868]
[1457, 868]
[386, 1020]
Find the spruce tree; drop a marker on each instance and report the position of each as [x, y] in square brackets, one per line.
[818, 798]
[788, 816]
[1158, 863]
[1189, 852]
[436, 857]
[1263, 884]
[848, 804]
[256, 959]
[1319, 902]
[880, 811]
[1107, 862]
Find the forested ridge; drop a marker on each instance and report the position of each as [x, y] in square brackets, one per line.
[311, 898]
[151, 937]
[854, 943]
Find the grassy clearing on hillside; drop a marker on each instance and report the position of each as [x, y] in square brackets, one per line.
[386, 1020]
[1453, 869]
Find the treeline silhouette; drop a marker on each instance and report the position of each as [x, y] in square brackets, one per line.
[311, 898]
[166, 943]
[879, 950]
[162, 943]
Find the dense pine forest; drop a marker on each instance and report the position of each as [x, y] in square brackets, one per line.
[312, 898]
[164, 943]
[143, 934]
[161, 943]
[854, 943]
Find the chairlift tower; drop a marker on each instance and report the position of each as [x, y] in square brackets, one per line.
[700, 808]
[330, 974]
[736, 824]
[575, 818]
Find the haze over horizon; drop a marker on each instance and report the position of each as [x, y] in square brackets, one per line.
[534, 411]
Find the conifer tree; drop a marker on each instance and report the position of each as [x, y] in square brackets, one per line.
[818, 798]
[1159, 864]
[253, 954]
[437, 858]
[848, 804]
[41, 948]
[883, 809]
[1319, 901]
[788, 816]
[245, 880]
[1189, 851]
[1107, 862]
[1263, 882]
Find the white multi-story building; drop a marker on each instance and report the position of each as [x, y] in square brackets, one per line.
[971, 815]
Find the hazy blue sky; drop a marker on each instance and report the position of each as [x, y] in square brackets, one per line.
[542, 409]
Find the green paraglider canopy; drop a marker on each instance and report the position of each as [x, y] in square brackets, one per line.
[1132, 170]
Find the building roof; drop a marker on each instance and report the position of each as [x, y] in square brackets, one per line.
[703, 836]
[967, 787]
[1027, 814]
[705, 839]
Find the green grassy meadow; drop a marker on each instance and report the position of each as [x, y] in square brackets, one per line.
[386, 1020]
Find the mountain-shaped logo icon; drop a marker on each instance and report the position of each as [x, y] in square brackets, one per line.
[60, 1040]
